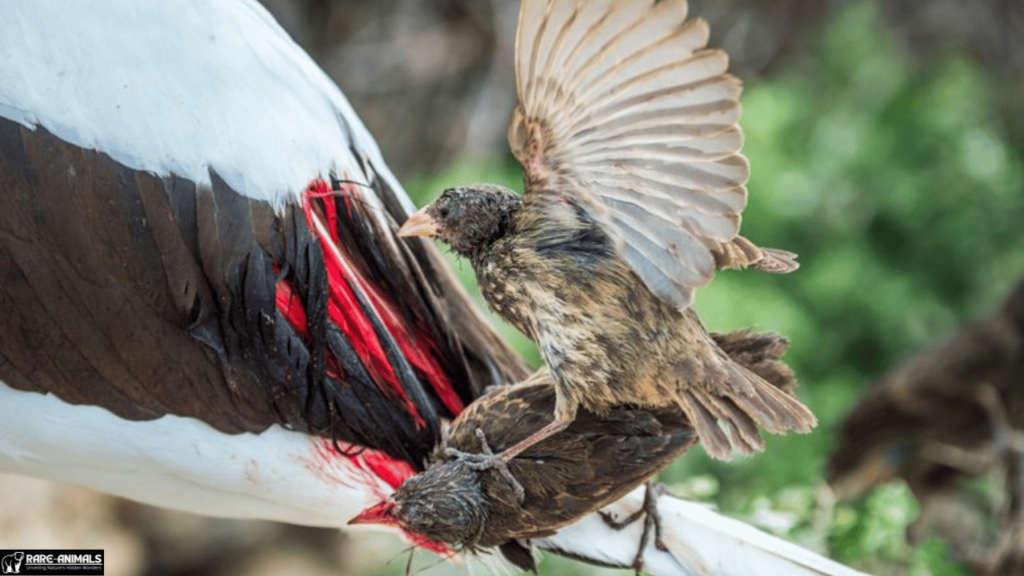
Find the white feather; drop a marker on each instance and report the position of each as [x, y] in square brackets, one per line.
[183, 463]
[700, 541]
[184, 87]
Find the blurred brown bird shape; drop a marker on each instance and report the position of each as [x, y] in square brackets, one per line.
[937, 420]
[627, 131]
[591, 464]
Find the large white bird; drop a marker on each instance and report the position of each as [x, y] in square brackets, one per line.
[203, 305]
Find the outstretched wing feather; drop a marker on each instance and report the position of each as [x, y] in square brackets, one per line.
[623, 110]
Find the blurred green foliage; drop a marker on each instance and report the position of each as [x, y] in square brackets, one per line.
[898, 187]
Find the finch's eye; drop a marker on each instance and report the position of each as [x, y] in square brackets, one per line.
[443, 212]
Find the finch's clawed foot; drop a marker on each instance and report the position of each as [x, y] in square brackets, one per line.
[489, 460]
[652, 519]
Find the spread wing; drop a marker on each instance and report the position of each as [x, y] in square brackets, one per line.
[622, 109]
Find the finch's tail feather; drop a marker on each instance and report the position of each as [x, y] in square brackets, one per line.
[740, 253]
[757, 393]
[760, 353]
[777, 261]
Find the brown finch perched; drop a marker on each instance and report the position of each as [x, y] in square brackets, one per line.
[591, 464]
[627, 131]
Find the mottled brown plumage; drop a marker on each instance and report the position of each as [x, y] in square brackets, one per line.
[594, 462]
[634, 183]
[591, 464]
[605, 337]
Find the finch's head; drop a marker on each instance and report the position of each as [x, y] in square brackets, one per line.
[468, 218]
[444, 504]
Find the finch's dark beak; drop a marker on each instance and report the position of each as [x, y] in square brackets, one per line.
[419, 224]
[377, 514]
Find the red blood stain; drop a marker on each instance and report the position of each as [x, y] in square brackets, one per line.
[343, 309]
[379, 465]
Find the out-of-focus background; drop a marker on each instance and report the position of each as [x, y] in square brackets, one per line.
[886, 139]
